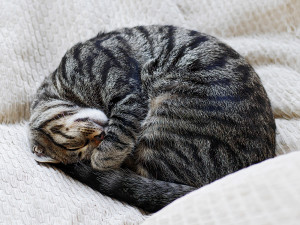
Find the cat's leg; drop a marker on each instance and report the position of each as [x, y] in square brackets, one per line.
[169, 142]
[120, 134]
[148, 194]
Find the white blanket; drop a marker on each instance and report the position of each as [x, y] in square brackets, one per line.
[34, 36]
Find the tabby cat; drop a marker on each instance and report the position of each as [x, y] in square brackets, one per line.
[150, 113]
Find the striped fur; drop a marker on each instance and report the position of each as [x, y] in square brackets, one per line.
[179, 109]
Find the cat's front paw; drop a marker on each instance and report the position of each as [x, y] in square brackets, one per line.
[106, 160]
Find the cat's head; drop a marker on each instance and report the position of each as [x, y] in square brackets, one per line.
[66, 134]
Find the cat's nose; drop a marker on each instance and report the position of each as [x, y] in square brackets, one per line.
[98, 138]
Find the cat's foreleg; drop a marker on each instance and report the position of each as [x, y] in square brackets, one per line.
[121, 133]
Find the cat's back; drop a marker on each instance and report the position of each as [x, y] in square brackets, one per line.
[153, 42]
[170, 47]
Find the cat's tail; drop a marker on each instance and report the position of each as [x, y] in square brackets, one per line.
[148, 194]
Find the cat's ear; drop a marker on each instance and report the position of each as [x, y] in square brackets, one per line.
[39, 156]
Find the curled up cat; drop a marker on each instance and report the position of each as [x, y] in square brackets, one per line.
[150, 113]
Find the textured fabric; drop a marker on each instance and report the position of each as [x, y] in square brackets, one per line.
[34, 35]
[31, 193]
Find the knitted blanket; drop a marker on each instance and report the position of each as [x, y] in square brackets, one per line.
[34, 35]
